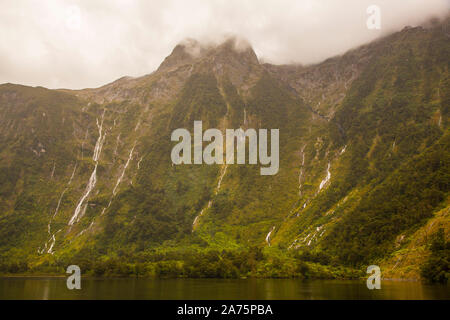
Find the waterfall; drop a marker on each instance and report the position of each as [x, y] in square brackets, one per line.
[56, 210]
[139, 162]
[326, 179]
[53, 170]
[268, 235]
[53, 236]
[93, 178]
[300, 175]
[119, 180]
[216, 191]
[50, 250]
[117, 145]
[220, 179]
[73, 173]
[130, 156]
[82, 143]
[91, 184]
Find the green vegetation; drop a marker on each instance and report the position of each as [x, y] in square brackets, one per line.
[385, 146]
[437, 268]
[251, 262]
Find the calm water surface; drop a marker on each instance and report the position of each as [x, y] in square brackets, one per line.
[55, 288]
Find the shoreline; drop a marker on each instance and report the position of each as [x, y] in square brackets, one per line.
[56, 276]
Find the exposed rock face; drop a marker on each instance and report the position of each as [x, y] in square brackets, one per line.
[323, 86]
[184, 53]
[233, 59]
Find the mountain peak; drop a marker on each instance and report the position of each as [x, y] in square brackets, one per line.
[190, 50]
[236, 47]
[183, 53]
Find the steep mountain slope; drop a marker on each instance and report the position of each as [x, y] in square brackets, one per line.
[87, 176]
[392, 112]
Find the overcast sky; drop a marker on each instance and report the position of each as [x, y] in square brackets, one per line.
[86, 43]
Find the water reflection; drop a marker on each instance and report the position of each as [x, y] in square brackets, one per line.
[55, 288]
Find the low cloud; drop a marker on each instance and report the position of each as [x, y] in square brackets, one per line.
[78, 44]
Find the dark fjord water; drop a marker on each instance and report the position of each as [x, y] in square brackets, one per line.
[55, 288]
